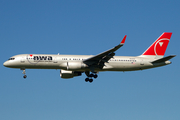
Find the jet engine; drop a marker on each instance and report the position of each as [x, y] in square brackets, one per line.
[69, 74]
[75, 65]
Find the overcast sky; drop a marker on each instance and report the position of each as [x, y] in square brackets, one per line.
[88, 28]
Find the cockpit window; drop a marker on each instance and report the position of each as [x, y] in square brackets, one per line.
[11, 58]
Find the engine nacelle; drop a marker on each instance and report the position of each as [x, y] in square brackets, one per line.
[75, 65]
[69, 74]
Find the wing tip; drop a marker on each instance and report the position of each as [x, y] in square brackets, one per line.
[123, 40]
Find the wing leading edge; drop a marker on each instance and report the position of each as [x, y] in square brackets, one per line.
[98, 61]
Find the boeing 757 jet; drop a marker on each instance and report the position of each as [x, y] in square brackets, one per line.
[74, 65]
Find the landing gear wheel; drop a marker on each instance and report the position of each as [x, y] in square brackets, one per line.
[90, 80]
[87, 79]
[25, 76]
[95, 76]
[91, 75]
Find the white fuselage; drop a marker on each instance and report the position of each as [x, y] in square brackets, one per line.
[75, 62]
[74, 65]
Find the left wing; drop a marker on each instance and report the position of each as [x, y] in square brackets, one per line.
[98, 61]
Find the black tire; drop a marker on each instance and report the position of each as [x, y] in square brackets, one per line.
[91, 75]
[25, 76]
[95, 76]
[90, 80]
[87, 79]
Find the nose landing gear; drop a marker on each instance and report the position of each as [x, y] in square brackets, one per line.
[24, 72]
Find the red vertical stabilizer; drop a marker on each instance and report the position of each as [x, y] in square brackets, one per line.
[158, 48]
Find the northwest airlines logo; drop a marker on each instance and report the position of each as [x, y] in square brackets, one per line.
[160, 46]
[161, 43]
[38, 58]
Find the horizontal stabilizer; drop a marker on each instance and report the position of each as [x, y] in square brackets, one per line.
[163, 59]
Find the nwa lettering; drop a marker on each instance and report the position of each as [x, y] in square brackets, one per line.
[42, 58]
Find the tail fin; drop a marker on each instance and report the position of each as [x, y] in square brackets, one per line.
[158, 48]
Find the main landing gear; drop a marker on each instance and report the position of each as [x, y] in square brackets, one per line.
[24, 72]
[89, 76]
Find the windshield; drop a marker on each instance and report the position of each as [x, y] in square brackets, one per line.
[11, 58]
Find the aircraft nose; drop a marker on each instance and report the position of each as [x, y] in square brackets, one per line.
[5, 64]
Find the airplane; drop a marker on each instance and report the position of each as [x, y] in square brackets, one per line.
[74, 65]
